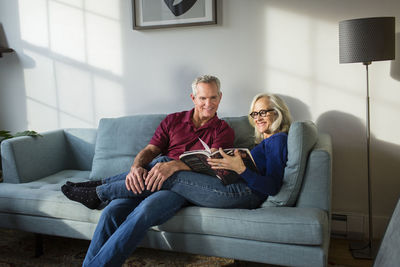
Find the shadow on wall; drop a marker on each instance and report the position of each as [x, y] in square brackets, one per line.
[385, 162]
[349, 161]
[298, 109]
[12, 108]
[349, 165]
[395, 64]
[3, 39]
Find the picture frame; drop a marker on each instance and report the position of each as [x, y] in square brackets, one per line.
[156, 14]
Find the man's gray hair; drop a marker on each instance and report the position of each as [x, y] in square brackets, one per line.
[205, 79]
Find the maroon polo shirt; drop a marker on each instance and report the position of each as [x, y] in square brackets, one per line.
[177, 134]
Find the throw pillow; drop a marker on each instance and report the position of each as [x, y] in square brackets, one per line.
[118, 142]
[302, 137]
[244, 132]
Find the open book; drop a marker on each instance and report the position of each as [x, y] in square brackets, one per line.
[197, 161]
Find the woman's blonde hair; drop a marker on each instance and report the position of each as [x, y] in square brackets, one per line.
[282, 121]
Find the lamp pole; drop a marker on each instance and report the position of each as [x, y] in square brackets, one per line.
[370, 233]
[358, 249]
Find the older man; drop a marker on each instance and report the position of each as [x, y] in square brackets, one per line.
[124, 222]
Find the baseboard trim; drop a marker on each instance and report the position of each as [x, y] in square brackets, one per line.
[354, 226]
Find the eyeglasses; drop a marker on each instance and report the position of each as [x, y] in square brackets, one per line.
[262, 113]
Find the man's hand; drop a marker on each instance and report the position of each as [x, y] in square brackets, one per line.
[135, 179]
[161, 172]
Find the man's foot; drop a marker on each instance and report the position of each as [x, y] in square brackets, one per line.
[85, 184]
[84, 195]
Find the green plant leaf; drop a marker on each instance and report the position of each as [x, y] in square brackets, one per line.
[5, 134]
[27, 133]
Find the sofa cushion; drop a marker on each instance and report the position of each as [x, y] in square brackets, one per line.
[118, 142]
[302, 137]
[244, 132]
[43, 198]
[278, 225]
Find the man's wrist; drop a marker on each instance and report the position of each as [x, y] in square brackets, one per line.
[134, 166]
[178, 165]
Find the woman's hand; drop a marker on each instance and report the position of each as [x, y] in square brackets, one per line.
[234, 163]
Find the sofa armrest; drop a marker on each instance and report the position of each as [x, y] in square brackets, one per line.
[81, 143]
[26, 159]
[316, 189]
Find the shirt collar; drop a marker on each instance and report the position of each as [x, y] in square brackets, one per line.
[189, 115]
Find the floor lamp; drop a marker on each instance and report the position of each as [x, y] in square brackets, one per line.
[365, 40]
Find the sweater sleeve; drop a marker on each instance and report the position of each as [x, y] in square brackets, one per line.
[275, 157]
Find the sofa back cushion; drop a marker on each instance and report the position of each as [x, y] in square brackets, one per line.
[244, 132]
[302, 137]
[118, 142]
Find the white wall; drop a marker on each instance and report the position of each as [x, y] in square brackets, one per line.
[77, 61]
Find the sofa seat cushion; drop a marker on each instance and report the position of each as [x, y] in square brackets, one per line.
[44, 198]
[278, 225]
[270, 224]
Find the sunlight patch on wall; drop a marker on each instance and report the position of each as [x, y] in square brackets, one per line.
[285, 83]
[302, 59]
[39, 81]
[106, 8]
[74, 99]
[75, 3]
[325, 60]
[382, 129]
[282, 27]
[385, 102]
[67, 31]
[339, 100]
[109, 98]
[40, 117]
[68, 121]
[77, 53]
[33, 22]
[104, 41]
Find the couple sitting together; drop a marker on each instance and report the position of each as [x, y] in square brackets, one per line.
[159, 184]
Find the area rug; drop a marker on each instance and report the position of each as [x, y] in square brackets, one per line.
[17, 248]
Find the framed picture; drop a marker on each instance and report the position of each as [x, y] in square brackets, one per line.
[153, 14]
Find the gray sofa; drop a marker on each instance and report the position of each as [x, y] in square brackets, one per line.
[291, 228]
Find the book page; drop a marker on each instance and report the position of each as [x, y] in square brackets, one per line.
[206, 147]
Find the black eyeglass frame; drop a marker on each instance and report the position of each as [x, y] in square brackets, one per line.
[261, 113]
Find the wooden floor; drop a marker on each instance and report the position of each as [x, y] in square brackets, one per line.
[339, 254]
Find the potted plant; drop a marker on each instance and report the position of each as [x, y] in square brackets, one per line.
[7, 135]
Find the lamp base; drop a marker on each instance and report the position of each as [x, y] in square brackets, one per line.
[364, 249]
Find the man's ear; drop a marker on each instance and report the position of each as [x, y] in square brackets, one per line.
[192, 97]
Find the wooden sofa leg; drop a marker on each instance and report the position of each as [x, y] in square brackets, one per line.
[38, 245]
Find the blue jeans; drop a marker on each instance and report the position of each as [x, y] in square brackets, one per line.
[199, 189]
[124, 222]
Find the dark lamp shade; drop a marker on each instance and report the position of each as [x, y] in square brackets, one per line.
[367, 39]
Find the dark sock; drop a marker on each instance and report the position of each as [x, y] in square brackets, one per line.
[85, 195]
[85, 184]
